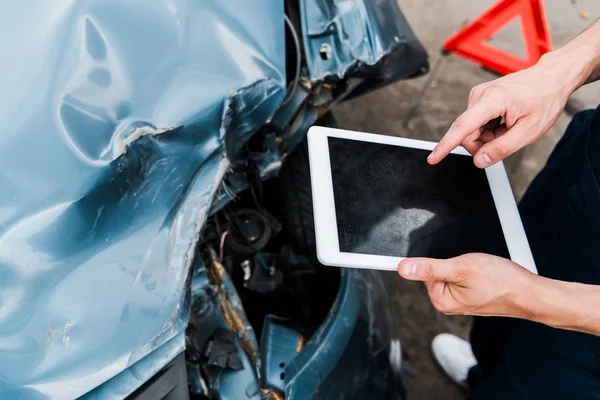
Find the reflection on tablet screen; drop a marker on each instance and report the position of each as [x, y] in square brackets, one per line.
[389, 201]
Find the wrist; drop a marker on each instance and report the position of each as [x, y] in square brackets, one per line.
[555, 303]
[570, 67]
[525, 299]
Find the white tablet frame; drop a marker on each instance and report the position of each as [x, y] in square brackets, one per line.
[326, 233]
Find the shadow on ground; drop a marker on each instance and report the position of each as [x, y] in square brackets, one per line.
[385, 111]
[391, 111]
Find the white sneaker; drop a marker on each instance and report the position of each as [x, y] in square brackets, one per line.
[454, 356]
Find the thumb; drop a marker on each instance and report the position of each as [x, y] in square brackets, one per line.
[429, 269]
[500, 148]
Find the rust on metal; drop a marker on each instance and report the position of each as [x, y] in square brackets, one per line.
[300, 344]
[215, 274]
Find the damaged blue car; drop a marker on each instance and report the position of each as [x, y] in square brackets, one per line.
[156, 234]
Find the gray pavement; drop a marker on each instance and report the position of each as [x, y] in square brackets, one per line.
[385, 111]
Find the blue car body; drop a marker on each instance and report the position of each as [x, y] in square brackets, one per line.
[121, 121]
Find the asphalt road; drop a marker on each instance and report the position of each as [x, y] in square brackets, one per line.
[388, 111]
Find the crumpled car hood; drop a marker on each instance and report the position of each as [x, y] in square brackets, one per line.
[119, 120]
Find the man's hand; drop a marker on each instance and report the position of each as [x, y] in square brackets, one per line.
[485, 285]
[502, 117]
[473, 284]
[511, 112]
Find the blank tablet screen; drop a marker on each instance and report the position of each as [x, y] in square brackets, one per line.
[390, 202]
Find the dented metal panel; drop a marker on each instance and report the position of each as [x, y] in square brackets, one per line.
[359, 38]
[119, 120]
[135, 376]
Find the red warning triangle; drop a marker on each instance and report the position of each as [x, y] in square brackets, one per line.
[469, 42]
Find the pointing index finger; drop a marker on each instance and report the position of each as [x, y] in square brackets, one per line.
[468, 122]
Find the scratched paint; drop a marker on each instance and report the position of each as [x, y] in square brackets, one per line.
[119, 122]
[113, 145]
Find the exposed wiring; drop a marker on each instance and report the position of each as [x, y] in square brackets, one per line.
[292, 92]
[263, 263]
[236, 320]
[258, 199]
[233, 219]
[217, 224]
[222, 245]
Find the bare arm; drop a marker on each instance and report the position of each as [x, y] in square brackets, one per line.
[568, 305]
[583, 54]
[530, 101]
[565, 305]
[486, 285]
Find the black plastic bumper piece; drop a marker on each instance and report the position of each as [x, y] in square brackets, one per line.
[170, 383]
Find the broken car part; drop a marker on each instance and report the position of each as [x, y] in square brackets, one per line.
[127, 127]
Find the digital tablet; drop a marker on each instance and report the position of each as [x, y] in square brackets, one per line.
[376, 201]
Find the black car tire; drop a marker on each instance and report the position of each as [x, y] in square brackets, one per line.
[293, 198]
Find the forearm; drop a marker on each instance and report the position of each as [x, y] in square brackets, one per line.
[589, 42]
[565, 305]
[577, 62]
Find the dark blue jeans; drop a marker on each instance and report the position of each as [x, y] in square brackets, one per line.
[561, 214]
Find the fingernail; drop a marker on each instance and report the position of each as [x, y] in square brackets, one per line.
[485, 160]
[430, 156]
[410, 268]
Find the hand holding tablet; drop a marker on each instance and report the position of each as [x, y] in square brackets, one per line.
[377, 201]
